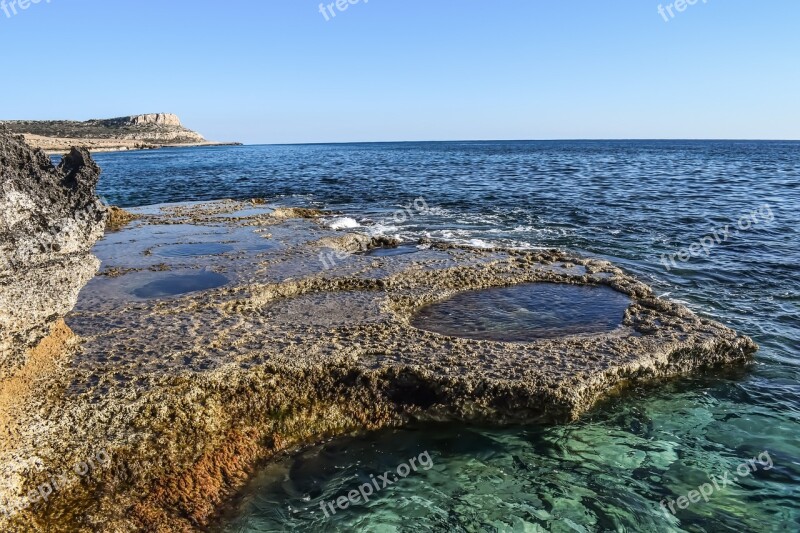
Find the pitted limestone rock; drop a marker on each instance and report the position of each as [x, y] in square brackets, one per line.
[50, 218]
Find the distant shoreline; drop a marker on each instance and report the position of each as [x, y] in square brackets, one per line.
[126, 148]
[122, 134]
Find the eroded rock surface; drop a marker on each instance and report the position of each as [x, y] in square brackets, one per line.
[50, 218]
[310, 337]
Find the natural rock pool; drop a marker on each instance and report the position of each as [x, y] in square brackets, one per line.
[193, 250]
[175, 284]
[526, 312]
[389, 251]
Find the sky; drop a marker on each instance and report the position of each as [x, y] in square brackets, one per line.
[276, 71]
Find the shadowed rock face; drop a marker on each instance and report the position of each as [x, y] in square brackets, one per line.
[50, 218]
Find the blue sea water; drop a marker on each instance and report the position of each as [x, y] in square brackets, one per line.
[646, 206]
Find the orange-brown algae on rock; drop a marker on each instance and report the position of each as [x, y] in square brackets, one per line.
[16, 390]
[118, 218]
[190, 392]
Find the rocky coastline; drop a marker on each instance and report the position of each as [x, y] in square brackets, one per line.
[216, 337]
[136, 132]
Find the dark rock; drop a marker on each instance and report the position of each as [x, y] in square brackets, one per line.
[49, 220]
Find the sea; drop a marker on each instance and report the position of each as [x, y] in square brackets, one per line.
[710, 224]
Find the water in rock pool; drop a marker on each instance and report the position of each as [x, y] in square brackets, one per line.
[392, 251]
[193, 250]
[526, 312]
[175, 284]
[710, 224]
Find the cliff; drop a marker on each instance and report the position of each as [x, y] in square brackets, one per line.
[123, 133]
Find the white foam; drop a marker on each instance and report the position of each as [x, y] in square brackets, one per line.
[480, 243]
[343, 223]
[383, 229]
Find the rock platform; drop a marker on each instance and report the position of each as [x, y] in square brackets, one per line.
[292, 332]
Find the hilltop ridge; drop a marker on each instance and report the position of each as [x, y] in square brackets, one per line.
[134, 132]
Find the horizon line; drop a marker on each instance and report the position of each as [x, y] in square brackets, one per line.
[642, 139]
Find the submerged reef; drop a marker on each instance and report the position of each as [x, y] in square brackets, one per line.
[262, 329]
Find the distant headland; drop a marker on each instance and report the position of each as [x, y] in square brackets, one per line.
[135, 132]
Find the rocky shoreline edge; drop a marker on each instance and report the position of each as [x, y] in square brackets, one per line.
[160, 405]
[56, 146]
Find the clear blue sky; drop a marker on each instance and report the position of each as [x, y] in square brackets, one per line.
[274, 71]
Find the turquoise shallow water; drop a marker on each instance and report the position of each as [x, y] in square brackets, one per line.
[634, 203]
[607, 472]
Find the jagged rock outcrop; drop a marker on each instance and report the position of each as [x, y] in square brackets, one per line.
[49, 220]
